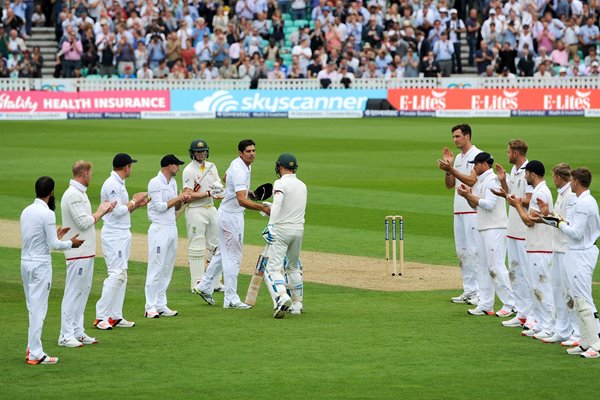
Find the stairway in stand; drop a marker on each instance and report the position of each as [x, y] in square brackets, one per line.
[44, 37]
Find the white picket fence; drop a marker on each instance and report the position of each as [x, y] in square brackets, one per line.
[302, 84]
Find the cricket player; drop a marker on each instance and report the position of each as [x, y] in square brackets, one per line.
[515, 184]
[284, 235]
[566, 327]
[162, 236]
[230, 233]
[538, 242]
[465, 218]
[202, 183]
[116, 243]
[39, 235]
[491, 240]
[77, 214]
[582, 228]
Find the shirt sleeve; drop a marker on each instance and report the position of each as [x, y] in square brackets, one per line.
[51, 236]
[186, 178]
[278, 196]
[110, 192]
[239, 181]
[77, 209]
[155, 194]
[489, 202]
[574, 229]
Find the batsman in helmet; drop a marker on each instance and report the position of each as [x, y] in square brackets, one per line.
[201, 180]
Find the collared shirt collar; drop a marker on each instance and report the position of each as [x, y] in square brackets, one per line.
[40, 201]
[117, 177]
[486, 173]
[78, 185]
[163, 177]
[564, 188]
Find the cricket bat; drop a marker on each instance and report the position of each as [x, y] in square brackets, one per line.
[257, 277]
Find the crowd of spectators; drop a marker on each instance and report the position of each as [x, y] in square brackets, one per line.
[330, 40]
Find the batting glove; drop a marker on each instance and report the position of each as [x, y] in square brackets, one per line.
[552, 220]
[265, 203]
[269, 234]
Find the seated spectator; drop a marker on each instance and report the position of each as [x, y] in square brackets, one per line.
[393, 72]
[145, 72]
[542, 72]
[489, 72]
[328, 75]
[271, 52]
[313, 69]
[246, 70]
[371, 71]
[593, 69]
[178, 71]
[506, 74]
[228, 70]
[591, 57]
[13, 64]
[277, 72]
[382, 60]
[161, 71]
[562, 72]
[128, 73]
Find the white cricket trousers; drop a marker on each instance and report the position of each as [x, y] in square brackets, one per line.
[201, 224]
[465, 238]
[566, 318]
[540, 278]
[288, 242]
[78, 284]
[579, 267]
[116, 247]
[493, 275]
[229, 257]
[519, 277]
[162, 249]
[37, 281]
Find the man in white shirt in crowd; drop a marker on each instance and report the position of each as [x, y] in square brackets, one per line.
[39, 235]
[116, 243]
[77, 214]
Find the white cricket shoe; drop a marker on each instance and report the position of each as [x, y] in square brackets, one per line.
[590, 353]
[283, 304]
[529, 332]
[151, 314]
[542, 335]
[504, 312]
[576, 351]
[462, 299]
[572, 341]
[44, 360]
[72, 342]
[472, 299]
[478, 311]
[515, 322]
[219, 288]
[125, 324]
[207, 297]
[238, 306]
[296, 308]
[102, 325]
[167, 312]
[554, 339]
[85, 339]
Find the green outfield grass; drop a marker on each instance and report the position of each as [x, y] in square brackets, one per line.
[357, 171]
[349, 344]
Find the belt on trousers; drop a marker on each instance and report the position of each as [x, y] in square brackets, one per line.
[205, 206]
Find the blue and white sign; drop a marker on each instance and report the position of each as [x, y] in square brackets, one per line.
[271, 101]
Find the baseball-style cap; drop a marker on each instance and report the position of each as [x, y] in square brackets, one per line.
[483, 157]
[122, 160]
[453, 11]
[326, 8]
[536, 167]
[443, 10]
[595, 64]
[170, 159]
[492, 11]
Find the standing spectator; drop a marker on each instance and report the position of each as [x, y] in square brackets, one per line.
[220, 20]
[15, 43]
[37, 62]
[173, 49]
[245, 9]
[71, 50]
[231, 229]
[188, 53]
[157, 51]
[107, 55]
[589, 35]
[312, 71]
[429, 66]
[372, 33]
[507, 56]
[38, 18]
[483, 58]
[77, 214]
[125, 56]
[443, 50]
[473, 28]
[220, 50]
[39, 235]
[329, 75]
[571, 36]
[90, 59]
[455, 27]
[204, 48]
[560, 55]
[298, 9]
[162, 236]
[141, 55]
[410, 63]
[526, 64]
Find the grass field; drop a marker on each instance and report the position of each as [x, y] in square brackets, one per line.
[350, 343]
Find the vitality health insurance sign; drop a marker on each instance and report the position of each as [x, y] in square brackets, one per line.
[497, 102]
[292, 103]
[56, 103]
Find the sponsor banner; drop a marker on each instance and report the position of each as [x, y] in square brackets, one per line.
[104, 115]
[94, 102]
[176, 115]
[272, 100]
[325, 114]
[472, 113]
[495, 99]
[23, 116]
